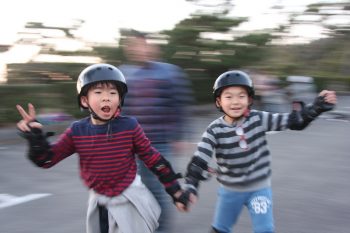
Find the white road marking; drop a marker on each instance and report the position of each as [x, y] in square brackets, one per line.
[273, 132]
[7, 200]
[340, 120]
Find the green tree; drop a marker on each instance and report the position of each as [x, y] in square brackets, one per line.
[207, 42]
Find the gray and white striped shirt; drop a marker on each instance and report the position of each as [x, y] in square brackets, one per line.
[237, 168]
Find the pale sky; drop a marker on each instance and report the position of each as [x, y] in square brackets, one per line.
[105, 17]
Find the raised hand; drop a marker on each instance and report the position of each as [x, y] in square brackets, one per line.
[329, 96]
[28, 118]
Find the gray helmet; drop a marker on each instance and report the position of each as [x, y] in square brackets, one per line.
[233, 78]
[100, 73]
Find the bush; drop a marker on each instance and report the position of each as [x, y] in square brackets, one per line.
[57, 97]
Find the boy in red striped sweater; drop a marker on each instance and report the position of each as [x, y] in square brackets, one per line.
[106, 144]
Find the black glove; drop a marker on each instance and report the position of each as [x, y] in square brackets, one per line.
[171, 190]
[183, 198]
[319, 106]
[163, 170]
[190, 187]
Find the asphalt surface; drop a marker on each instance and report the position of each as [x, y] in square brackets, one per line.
[311, 187]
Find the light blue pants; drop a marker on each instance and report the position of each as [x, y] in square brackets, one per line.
[229, 205]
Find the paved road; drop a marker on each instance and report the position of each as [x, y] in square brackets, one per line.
[310, 182]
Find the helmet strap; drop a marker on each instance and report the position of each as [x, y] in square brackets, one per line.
[251, 100]
[96, 117]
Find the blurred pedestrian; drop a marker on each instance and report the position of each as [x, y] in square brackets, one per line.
[159, 97]
[237, 140]
[105, 142]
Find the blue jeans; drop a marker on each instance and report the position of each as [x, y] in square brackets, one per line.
[229, 205]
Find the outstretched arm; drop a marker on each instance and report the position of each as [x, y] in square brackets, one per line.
[198, 169]
[165, 173]
[160, 167]
[31, 130]
[41, 152]
[301, 118]
[325, 101]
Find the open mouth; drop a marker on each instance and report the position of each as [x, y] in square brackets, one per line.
[106, 109]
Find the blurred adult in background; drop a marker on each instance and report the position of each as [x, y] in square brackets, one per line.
[269, 95]
[159, 97]
[301, 88]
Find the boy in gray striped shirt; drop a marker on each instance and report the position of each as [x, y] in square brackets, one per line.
[237, 139]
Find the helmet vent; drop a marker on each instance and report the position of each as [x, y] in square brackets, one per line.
[110, 68]
[98, 68]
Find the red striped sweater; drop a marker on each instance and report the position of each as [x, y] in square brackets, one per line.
[106, 153]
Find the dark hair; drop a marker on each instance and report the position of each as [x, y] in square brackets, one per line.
[219, 92]
[133, 33]
[88, 87]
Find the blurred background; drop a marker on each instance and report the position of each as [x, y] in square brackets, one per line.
[44, 45]
[291, 48]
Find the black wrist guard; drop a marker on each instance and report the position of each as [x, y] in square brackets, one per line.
[174, 189]
[39, 147]
[191, 185]
[165, 172]
[302, 117]
[171, 190]
[197, 169]
[319, 106]
[296, 120]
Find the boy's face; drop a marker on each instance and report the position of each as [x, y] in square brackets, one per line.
[234, 101]
[103, 99]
